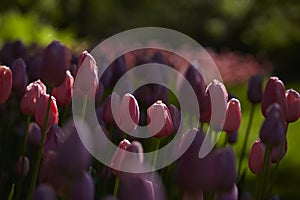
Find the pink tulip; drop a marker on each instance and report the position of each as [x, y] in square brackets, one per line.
[233, 116]
[118, 157]
[129, 114]
[6, 79]
[63, 93]
[41, 111]
[256, 157]
[293, 102]
[159, 120]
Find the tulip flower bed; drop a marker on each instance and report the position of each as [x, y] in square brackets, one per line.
[43, 157]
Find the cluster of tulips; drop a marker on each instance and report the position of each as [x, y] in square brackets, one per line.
[43, 157]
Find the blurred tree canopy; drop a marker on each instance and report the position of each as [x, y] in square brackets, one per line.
[250, 26]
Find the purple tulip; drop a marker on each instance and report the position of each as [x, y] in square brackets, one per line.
[34, 134]
[176, 117]
[44, 192]
[26, 166]
[54, 139]
[232, 194]
[255, 89]
[275, 157]
[83, 187]
[18, 69]
[293, 102]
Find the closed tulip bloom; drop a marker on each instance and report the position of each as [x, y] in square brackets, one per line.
[256, 157]
[233, 116]
[107, 114]
[159, 120]
[54, 64]
[6, 79]
[206, 110]
[63, 93]
[18, 68]
[30, 99]
[83, 187]
[41, 111]
[176, 117]
[275, 155]
[34, 134]
[293, 102]
[129, 113]
[232, 194]
[54, 138]
[272, 131]
[274, 93]
[255, 89]
[232, 139]
[44, 192]
[26, 166]
[118, 157]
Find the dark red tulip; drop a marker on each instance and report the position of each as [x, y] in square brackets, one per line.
[83, 187]
[34, 134]
[26, 166]
[255, 89]
[18, 68]
[256, 157]
[54, 138]
[6, 79]
[176, 117]
[54, 64]
[293, 102]
[63, 93]
[159, 120]
[233, 116]
[44, 192]
[129, 113]
[30, 99]
[206, 110]
[272, 131]
[107, 113]
[41, 111]
[274, 93]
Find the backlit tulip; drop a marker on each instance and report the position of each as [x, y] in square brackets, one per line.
[41, 111]
[255, 89]
[159, 120]
[256, 157]
[129, 113]
[274, 93]
[6, 79]
[233, 116]
[18, 68]
[54, 64]
[26, 166]
[293, 102]
[63, 93]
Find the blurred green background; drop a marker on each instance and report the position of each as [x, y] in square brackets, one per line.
[264, 27]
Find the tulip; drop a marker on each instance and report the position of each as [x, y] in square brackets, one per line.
[256, 157]
[107, 113]
[54, 139]
[232, 194]
[30, 99]
[159, 120]
[129, 114]
[118, 157]
[26, 166]
[275, 155]
[63, 93]
[34, 134]
[274, 93]
[83, 187]
[6, 79]
[293, 102]
[176, 117]
[233, 116]
[44, 192]
[232, 138]
[41, 111]
[54, 64]
[272, 131]
[18, 69]
[255, 89]
[206, 110]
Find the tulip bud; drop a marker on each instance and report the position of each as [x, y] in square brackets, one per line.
[63, 93]
[83, 187]
[275, 155]
[34, 134]
[54, 139]
[54, 65]
[274, 93]
[118, 157]
[232, 194]
[129, 114]
[232, 139]
[32, 94]
[159, 120]
[255, 89]
[233, 116]
[26, 166]
[18, 69]
[176, 117]
[44, 192]
[256, 157]
[41, 111]
[272, 131]
[6, 80]
[206, 111]
[107, 113]
[293, 102]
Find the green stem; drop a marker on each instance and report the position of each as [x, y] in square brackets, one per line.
[20, 180]
[246, 140]
[116, 187]
[12, 191]
[84, 106]
[226, 139]
[39, 155]
[155, 154]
